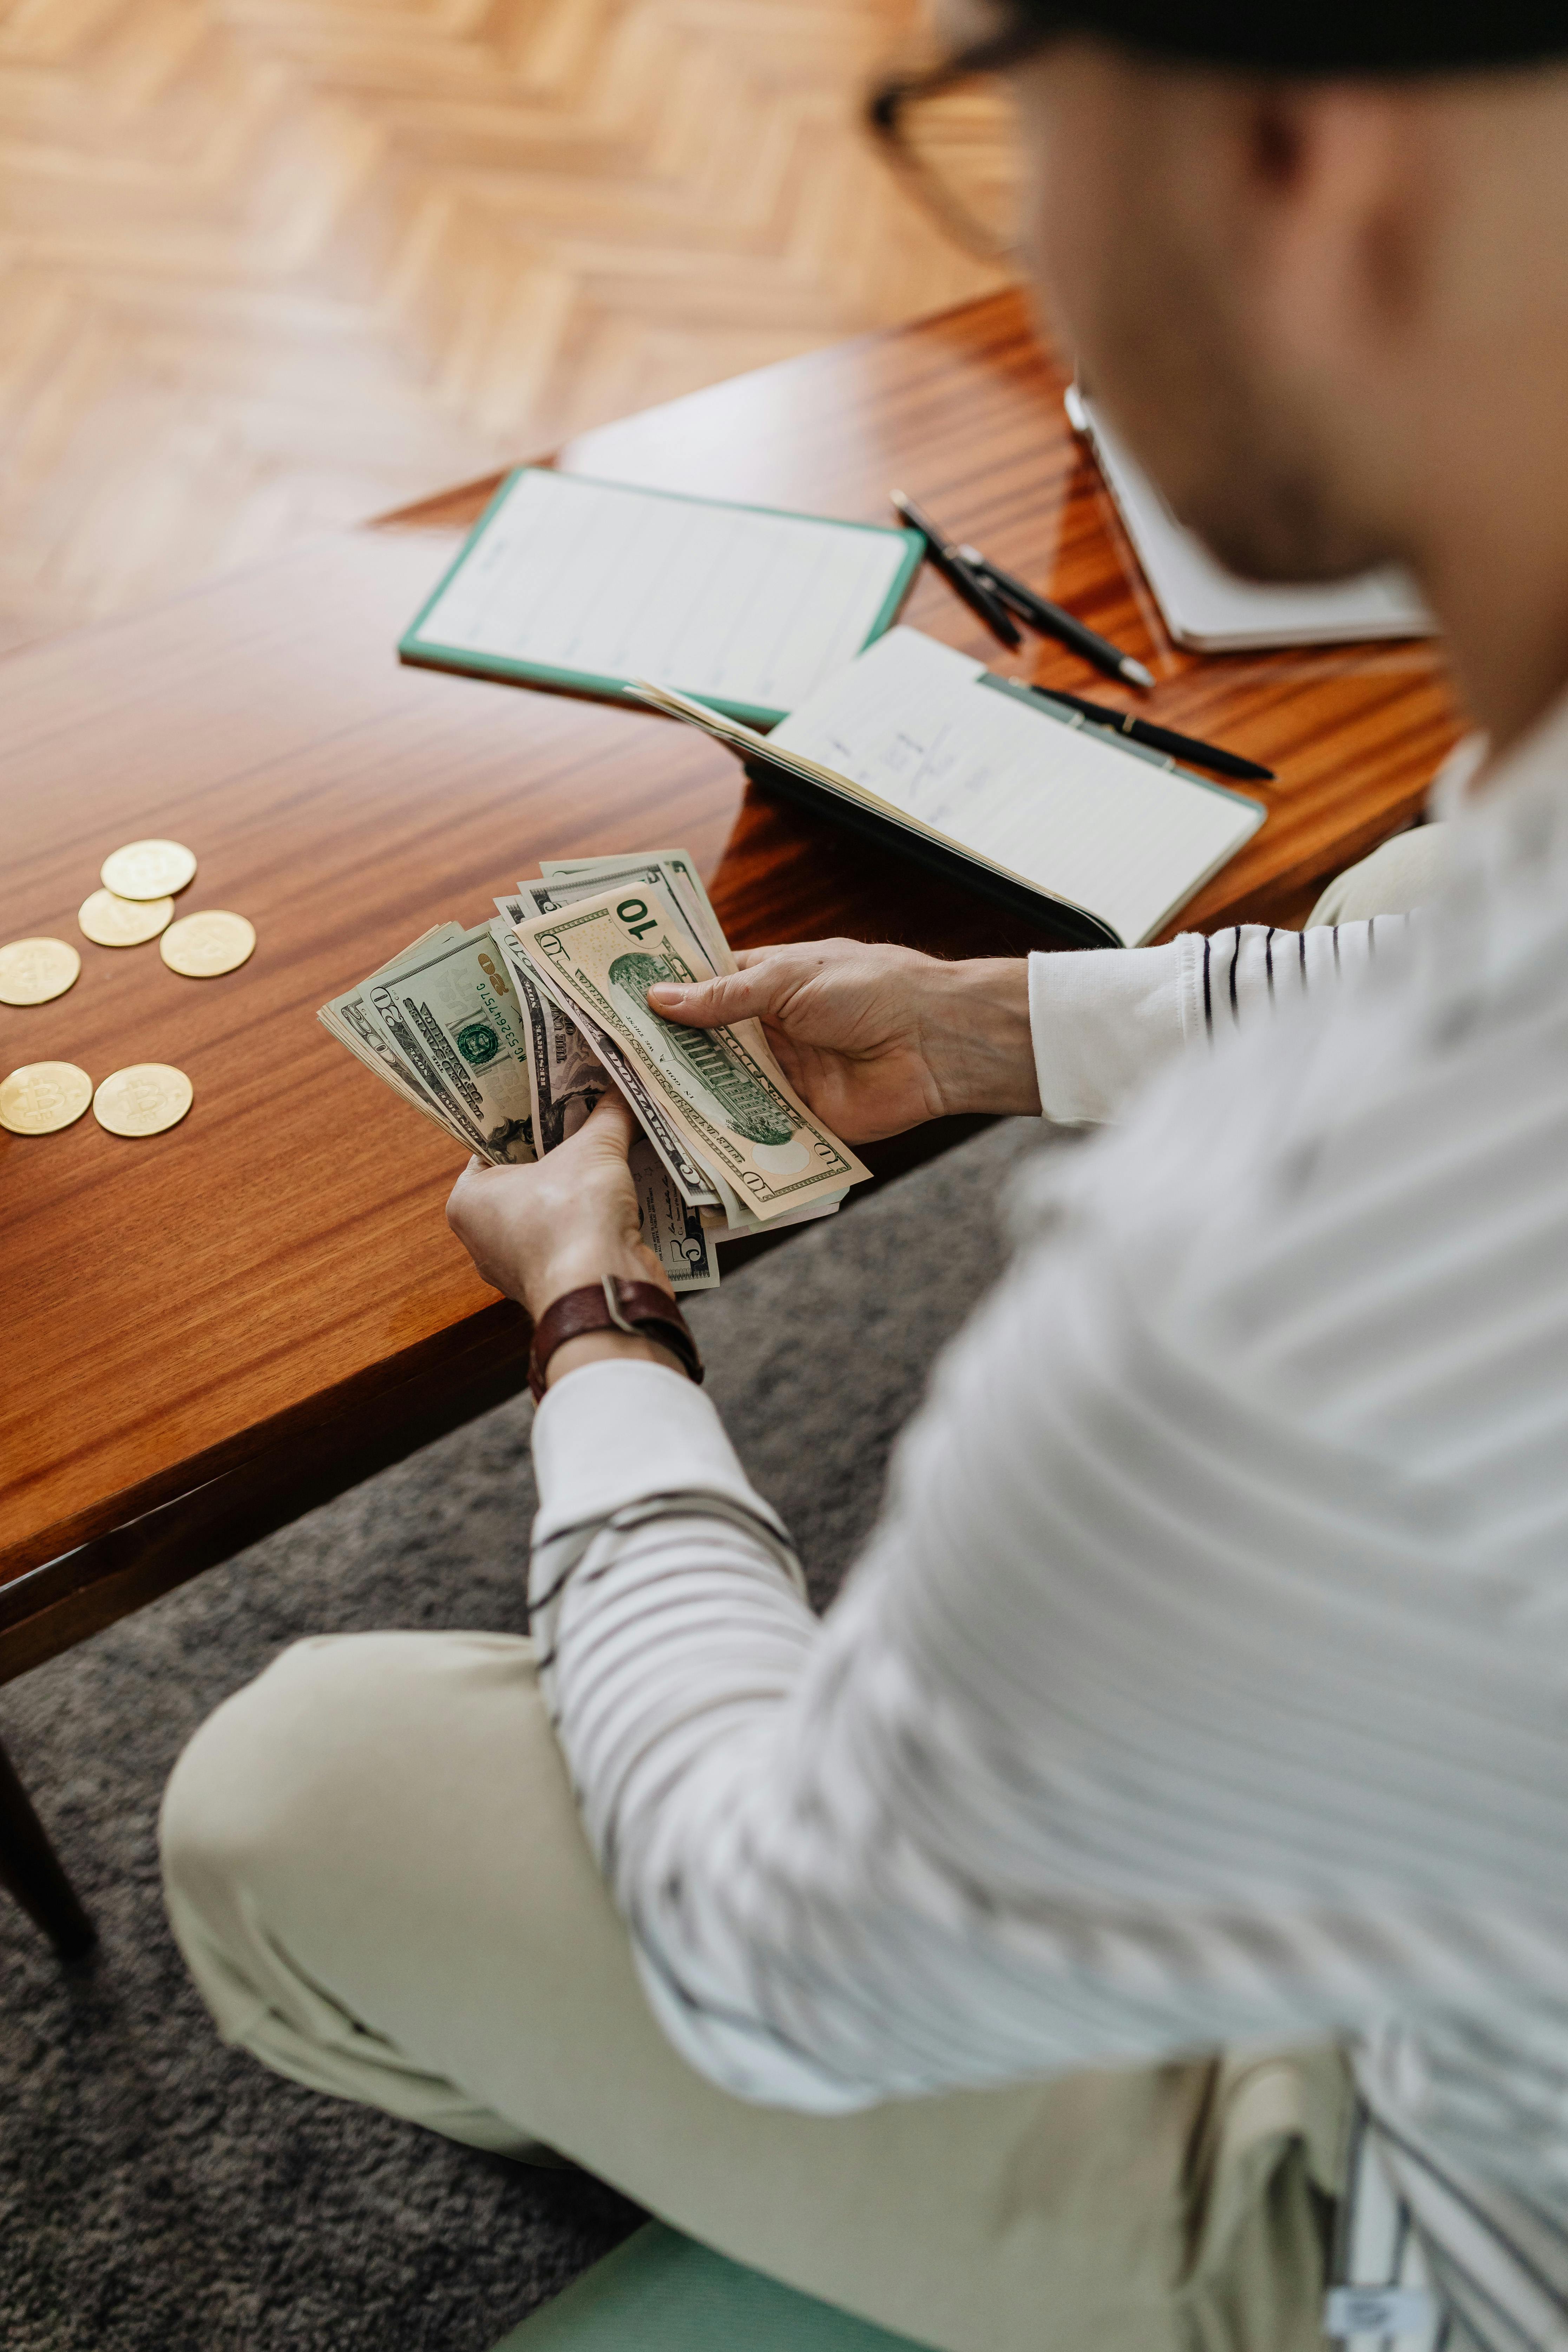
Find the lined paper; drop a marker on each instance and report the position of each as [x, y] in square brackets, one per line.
[1066, 808]
[611, 583]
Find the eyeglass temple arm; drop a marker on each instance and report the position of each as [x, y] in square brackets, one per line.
[1009, 48]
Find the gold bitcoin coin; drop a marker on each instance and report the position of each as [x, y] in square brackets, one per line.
[201, 946]
[111, 922]
[33, 971]
[43, 1096]
[143, 1100]
[148, 869]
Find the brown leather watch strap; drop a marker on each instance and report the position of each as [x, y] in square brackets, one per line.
[612, 1304]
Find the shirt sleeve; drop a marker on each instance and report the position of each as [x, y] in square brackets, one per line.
[1105, 1019]
[670, 1614]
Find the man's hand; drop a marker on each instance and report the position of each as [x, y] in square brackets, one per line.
[537, 1233]
[876, 1039]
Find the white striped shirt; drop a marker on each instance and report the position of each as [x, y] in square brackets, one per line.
[1206, 1677]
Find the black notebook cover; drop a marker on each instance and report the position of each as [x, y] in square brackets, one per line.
[1074, 923]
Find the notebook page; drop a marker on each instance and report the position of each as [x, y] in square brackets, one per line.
[1069, 812]
[619, 582]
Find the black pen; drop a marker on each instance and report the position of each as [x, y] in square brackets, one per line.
[976, 593]
[1158, 739]
[1055, 621]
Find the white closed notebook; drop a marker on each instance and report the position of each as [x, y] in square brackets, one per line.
[1208, 607]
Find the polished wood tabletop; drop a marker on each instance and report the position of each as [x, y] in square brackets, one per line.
[208, 1331]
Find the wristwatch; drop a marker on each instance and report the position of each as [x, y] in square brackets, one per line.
[639, 1308]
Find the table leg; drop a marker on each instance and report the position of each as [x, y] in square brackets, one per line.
[30, 1870]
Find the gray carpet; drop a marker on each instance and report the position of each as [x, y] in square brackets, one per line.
[161, 2194]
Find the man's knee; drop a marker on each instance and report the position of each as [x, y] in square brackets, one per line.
[248, 1770]
[288, 1771]
[1403, 874]
[316, 1857]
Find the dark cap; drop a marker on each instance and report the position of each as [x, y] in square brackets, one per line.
[1321, 37]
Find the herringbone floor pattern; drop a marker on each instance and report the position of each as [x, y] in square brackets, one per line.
[271, 264]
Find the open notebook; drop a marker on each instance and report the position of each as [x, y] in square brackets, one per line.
[573, 582]
[1062, 821]
[1208, 607]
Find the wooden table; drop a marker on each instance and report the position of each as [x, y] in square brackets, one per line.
[209, 1333]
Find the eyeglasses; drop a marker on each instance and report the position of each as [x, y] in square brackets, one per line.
[951, 130]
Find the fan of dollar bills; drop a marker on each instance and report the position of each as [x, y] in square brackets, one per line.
[507, 1036]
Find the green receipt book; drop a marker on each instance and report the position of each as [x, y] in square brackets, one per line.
[569, 581]
[663, 2293]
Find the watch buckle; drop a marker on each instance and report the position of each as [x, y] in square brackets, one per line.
[614, 1310]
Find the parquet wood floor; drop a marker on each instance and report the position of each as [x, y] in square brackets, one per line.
[266, 265]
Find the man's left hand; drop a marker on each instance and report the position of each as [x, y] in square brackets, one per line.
[569, 1219]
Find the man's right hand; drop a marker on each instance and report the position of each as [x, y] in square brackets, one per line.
[876, 1039]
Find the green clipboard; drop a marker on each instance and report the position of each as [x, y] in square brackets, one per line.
[423, 652]
[662, 2293]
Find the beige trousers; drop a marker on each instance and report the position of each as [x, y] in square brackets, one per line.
[376, 1873]
[1403, 874]
[376, 1870]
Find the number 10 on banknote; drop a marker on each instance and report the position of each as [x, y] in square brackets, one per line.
[726, 1096]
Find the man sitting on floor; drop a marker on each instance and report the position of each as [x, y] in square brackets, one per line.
[978, 1957]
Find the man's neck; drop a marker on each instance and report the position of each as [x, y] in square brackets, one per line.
[1505, 610]
[1491, 540]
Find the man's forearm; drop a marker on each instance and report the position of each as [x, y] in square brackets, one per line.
[1069, 1035]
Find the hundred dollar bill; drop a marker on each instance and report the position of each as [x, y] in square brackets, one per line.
[452, 1013]
[736, 1109]
[694, 1181]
